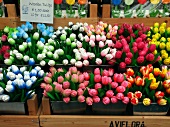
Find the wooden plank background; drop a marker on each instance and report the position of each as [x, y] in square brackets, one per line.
[146, 21]
[15, 21]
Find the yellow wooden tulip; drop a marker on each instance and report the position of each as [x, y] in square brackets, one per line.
[154, 1]
[146, 101]
[70, 2]
[154, 86]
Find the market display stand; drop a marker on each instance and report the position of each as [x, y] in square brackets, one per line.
[44, 117]
[30, 120]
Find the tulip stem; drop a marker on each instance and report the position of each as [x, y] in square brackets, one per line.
[141, 7]
[116, 8]
[82, 7]
[70, 9]
[58, 8]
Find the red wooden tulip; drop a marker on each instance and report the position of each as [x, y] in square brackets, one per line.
[142, 1]
[57, 1]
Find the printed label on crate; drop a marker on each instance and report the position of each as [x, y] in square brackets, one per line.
[127, 124]
[37, 10]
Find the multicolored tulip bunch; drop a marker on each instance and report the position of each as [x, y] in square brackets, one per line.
[108, 87]
[132, 46]
[159, 35]
[62, 85]
[150, 85]
[21, 45]
[73, 85]
[19, 84]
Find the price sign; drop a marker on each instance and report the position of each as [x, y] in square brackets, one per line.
[37, 10]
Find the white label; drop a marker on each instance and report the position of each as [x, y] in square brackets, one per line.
[37, 10]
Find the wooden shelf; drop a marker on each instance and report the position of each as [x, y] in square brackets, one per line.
[48, 120]
[103, 121]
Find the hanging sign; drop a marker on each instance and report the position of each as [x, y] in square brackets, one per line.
[37, 10]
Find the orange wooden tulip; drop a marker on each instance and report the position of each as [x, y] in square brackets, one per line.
[168, 90]
[165, 1]
[150, 67]
[130, 79]
[130, 72]
[82, 2]
[139, 81]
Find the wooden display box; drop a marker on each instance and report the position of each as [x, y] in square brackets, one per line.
[30, 120]
[48, 120]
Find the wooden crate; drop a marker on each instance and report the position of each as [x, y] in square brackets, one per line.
[48, 120]
[31, 120]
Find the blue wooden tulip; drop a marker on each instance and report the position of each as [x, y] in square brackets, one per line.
[41, 73]
[30, 94]
[33, 79]
[19, 34]
[29, 25]
[21, 84]
[15, 69]
[51, 29]
[42, 40]
[33, 72]
[28, 84]
[19, 28]
[50, 34]
[25, 35]
[38, 68]
[10, 76]
[116, 2]
[10, 88]
[14, 82]
[38, 26]
[19, 76]
[26, 77]
[31, 62]
[45, 32]
[22, 69]
[14, 36]
[24, 27]
[28, 40]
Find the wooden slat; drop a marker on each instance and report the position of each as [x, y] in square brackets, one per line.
[11, 10]
[11, 22]
[19, 121]
[102, 121]
[146, 21]
[64, 21]
[32, 105]
[93, 10]
[46, 106]
[106, 11]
